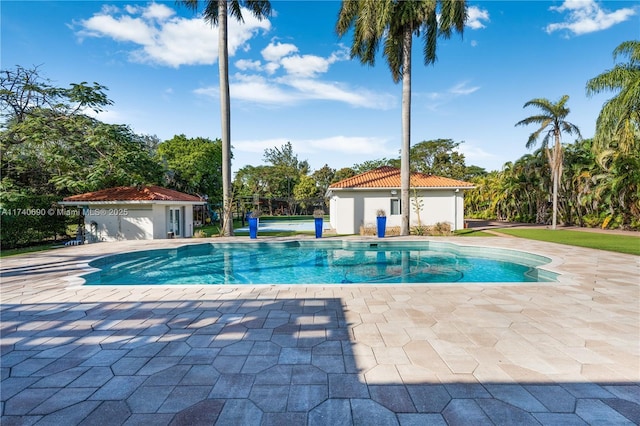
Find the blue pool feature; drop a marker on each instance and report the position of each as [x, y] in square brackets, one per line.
[319, 262]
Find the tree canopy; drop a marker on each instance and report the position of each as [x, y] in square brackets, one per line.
[551, 122]
[50, 146]
[193, 165]
[618, 125]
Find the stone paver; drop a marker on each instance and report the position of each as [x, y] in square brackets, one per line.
[566, 352]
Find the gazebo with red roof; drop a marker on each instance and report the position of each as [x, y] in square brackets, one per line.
[136, 213]
[355, 201]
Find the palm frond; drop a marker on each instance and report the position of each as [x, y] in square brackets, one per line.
[614, 79]
[629, 48]
[393, 53]
[430, 40]
[541, 103]
[346, 16]
[543, 120]
[259, 8]
[453, 15]
[235, 9]
[570, 129]
[210, 13]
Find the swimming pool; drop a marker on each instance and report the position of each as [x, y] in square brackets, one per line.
[282, 225]
[319, 262]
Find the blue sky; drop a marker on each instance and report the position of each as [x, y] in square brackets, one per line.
[292, 78]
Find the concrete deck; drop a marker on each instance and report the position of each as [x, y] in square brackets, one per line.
[545, 353]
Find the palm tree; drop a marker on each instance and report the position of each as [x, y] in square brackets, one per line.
[552, 122]
[215, 12]
[618, 125]
[395, 22]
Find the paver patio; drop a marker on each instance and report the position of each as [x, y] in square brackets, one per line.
[538, 353]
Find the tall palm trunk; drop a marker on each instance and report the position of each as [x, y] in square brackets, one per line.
[556, 173]
[225, 117]
[405, 172]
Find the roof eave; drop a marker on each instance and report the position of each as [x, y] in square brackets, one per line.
[398, 188]
[129, 202]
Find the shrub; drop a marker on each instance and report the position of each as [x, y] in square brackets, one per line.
[32, 219]
[440, 228]
[419, 230]
[591, 220]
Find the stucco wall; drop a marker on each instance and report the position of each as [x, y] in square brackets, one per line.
[187, 214]
[351, 209]
[161, 220]
[160, 216]
[117, 222]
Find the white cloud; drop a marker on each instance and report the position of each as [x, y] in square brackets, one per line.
[305, 65]
[258, 146]
[310, 65]
[586, 16]
[271, 67]
[348, 145]
[125, 28]
[157, 11]
[276, 51]
[240, 33]
[246, 64]
[359, 145]
[211, 91]
[255, 88]
[475, 154]
[108, 115]
[463, 89]
[321, 90]
[289, 90]
[181, 42]
[435, 100]
[476, 16]
[299, 83]
[159, 36]
[164, 38]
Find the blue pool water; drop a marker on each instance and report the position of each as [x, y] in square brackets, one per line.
[321, 262]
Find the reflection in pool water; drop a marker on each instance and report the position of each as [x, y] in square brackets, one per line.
[319, 262]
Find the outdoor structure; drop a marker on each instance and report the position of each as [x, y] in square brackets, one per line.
[135, 213]
[354, 202]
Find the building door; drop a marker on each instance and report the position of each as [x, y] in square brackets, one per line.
[174, 221]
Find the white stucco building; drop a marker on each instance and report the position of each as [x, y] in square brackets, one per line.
[355, 201]
[135, 213]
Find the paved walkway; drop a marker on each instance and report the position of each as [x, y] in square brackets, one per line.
[546, 353]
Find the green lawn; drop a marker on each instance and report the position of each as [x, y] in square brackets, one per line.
[611, 242]
[32, 249]
[468, 232]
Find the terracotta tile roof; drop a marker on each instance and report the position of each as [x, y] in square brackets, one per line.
[134, 193]
[389, 177]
